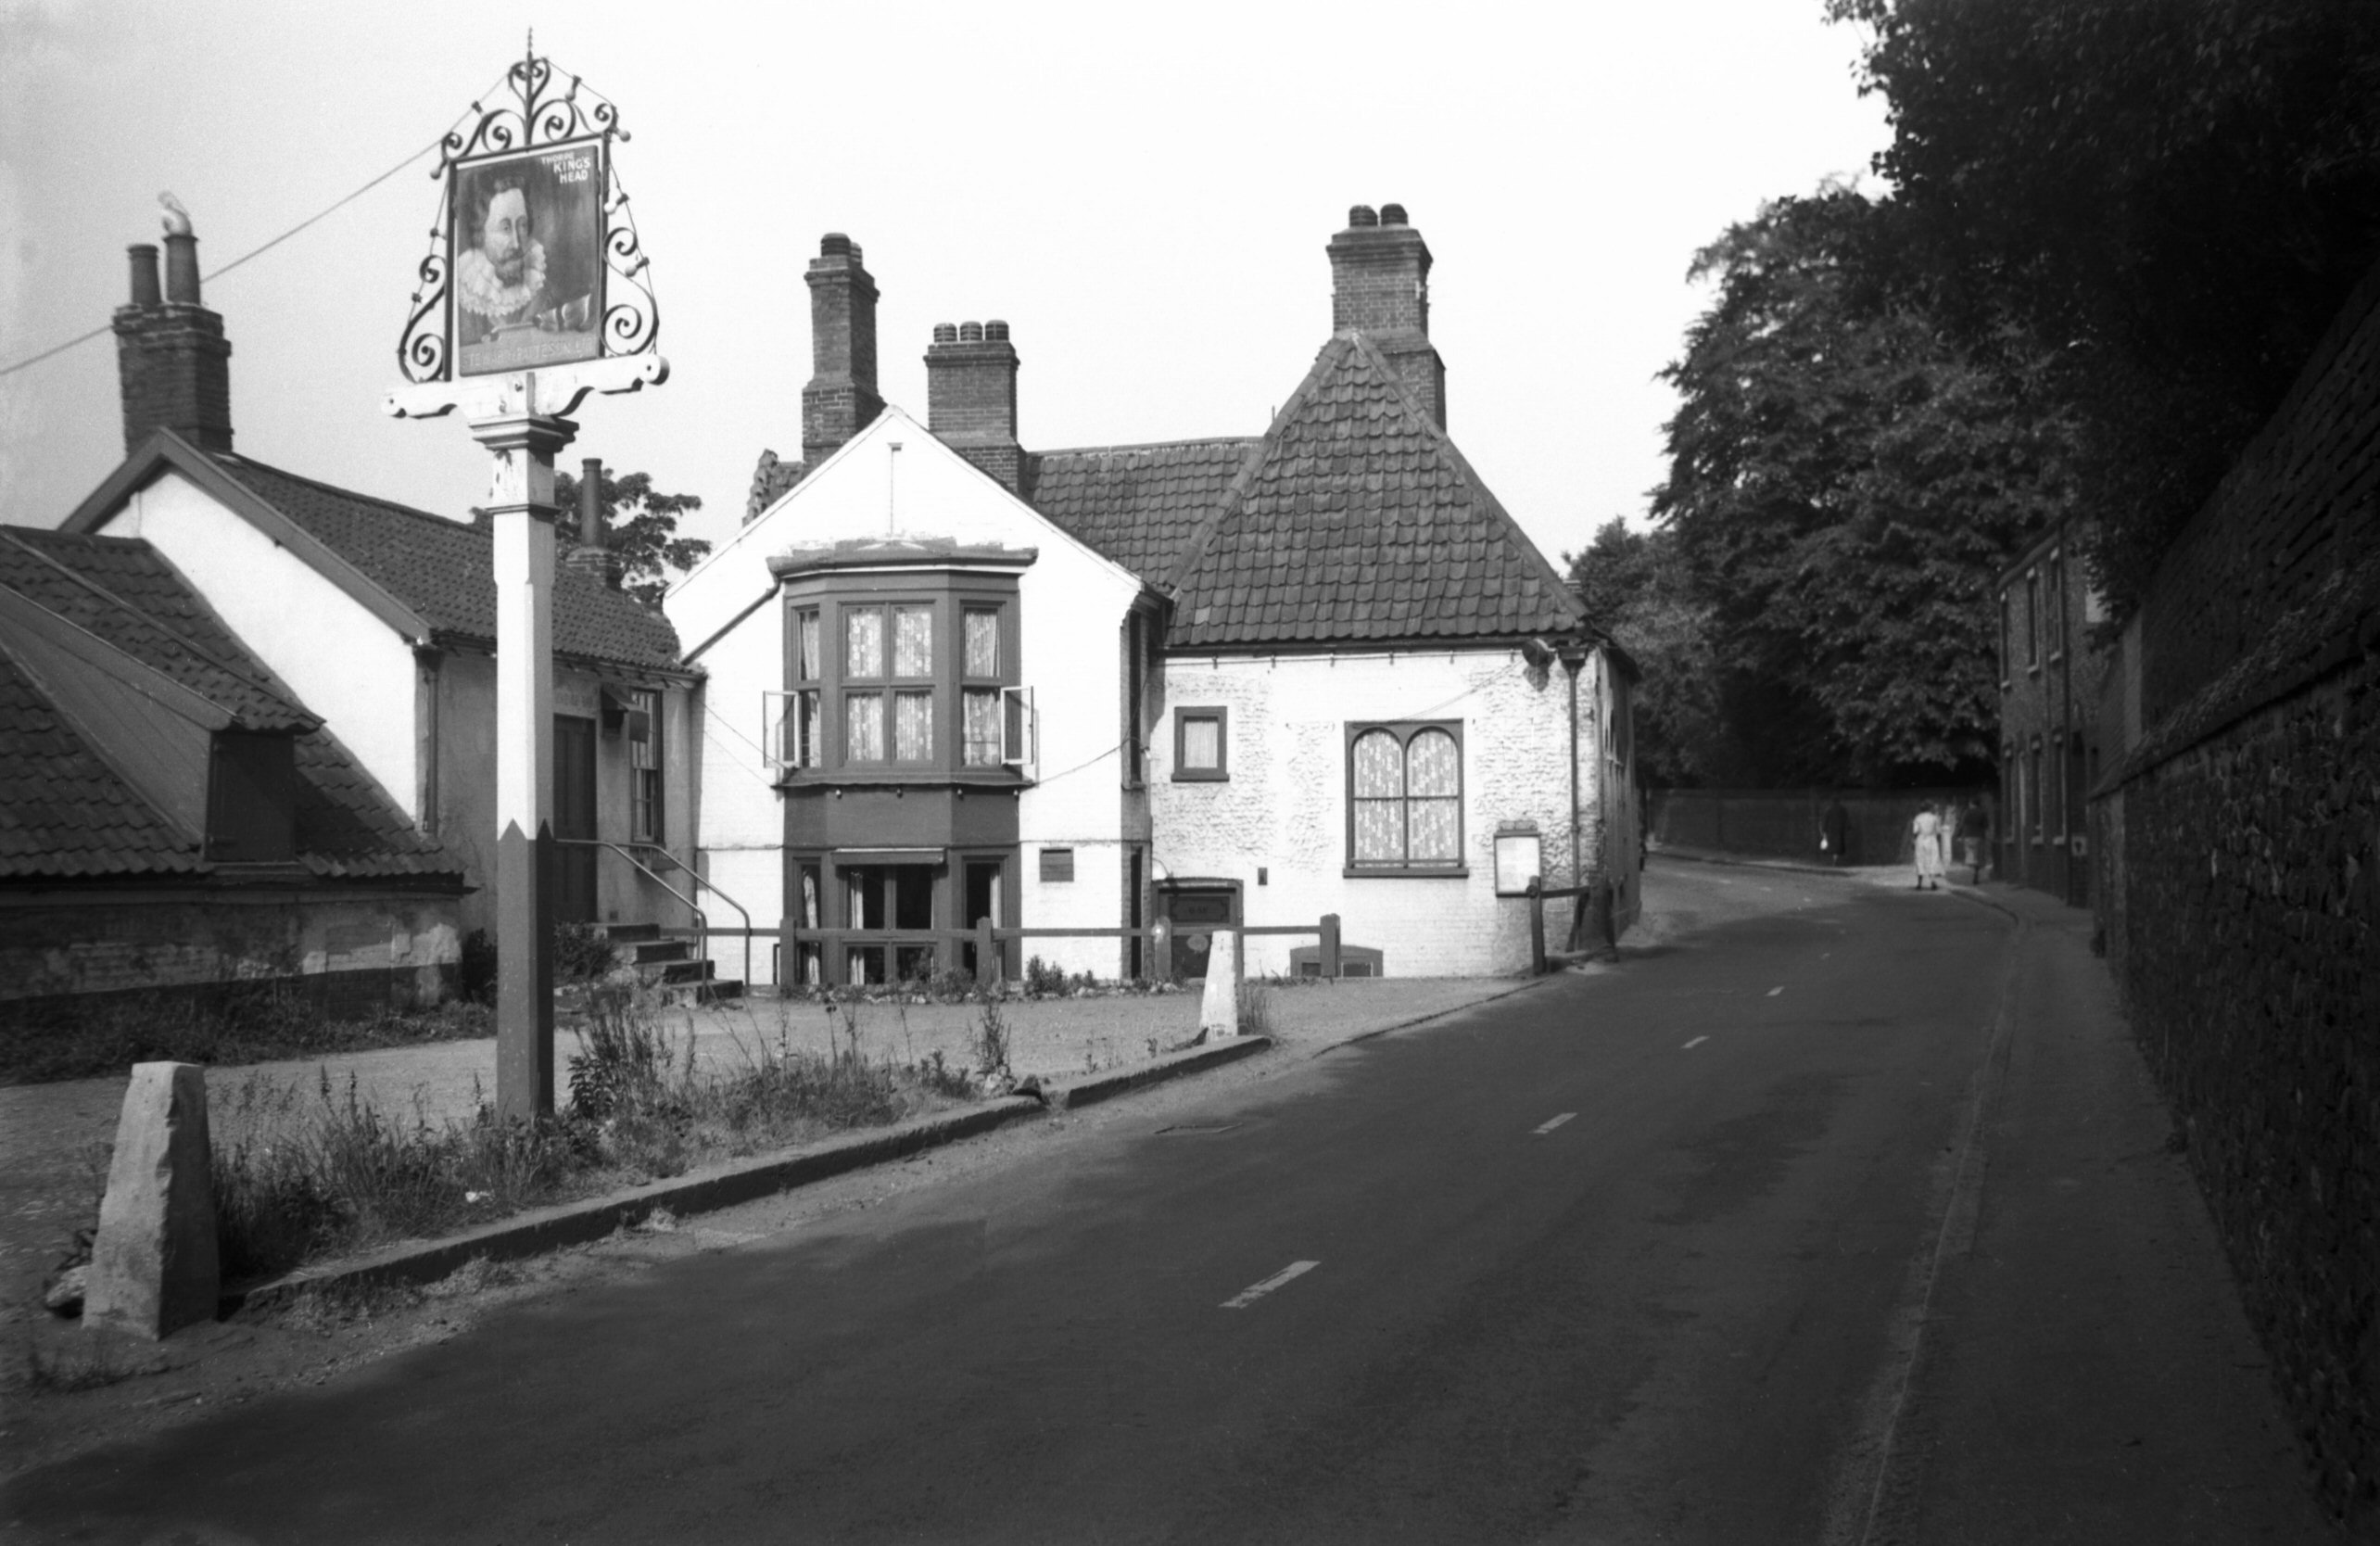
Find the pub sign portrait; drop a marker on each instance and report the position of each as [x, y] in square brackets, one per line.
[527, 260]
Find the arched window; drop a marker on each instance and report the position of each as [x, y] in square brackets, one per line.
[1405, 798]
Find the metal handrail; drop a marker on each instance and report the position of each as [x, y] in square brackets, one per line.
[702, 918]
[704, 880]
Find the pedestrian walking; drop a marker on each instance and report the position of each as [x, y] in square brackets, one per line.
[1974, 830]
[1926, 831]
[1834, 827]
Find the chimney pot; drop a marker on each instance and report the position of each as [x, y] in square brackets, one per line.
[1362, 215]
[971, 397]
[146, 294]
[182, 268]
[1392, 214]
[834, 244]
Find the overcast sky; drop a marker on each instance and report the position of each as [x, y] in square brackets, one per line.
[1146, 202]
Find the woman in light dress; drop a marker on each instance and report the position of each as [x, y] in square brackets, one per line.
[1927, 831]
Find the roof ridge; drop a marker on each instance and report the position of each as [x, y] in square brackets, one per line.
[232, 461]
[1512, 529]
[1196, 549]
[1153, 444]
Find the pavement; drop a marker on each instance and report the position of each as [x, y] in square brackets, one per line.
[2084, 1370]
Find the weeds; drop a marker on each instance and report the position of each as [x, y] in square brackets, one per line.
[1255, 1007]
[991, 1042]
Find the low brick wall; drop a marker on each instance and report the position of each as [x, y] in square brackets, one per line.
[355, 953]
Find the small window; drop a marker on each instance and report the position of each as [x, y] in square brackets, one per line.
[1405, 798]
[644, 772]
[1058, 864]
[1201, 750]
[2033, 619]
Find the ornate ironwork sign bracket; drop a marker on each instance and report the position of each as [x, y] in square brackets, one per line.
[535, 269]
[550, 392]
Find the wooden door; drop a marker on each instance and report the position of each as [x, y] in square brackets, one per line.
[574, 817]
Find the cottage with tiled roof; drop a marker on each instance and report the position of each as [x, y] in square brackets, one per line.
[171, 818]
[382, 619]
[1231, 681]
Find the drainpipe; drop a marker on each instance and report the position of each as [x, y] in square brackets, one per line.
[1573, 658]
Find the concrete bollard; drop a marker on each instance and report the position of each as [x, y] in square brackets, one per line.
[153, 1264]
[1219, 1014]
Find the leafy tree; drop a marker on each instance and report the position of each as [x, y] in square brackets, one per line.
[640, 527]
[2175, 196]
[1846, 479]
[1637, 589]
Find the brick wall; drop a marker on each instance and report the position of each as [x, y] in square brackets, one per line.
[2240, 837]
[365, 951]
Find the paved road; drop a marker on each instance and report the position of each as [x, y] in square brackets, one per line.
[1623, 1259]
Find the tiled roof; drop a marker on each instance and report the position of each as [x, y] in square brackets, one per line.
[122, 590]
[1140, 506]
[63, 810]
[1360, 523]
[443, 570]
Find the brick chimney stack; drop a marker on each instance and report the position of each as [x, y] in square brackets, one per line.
[971, 397]
[1380, 287]
[592, 555]
[841, 400]
[172, 362]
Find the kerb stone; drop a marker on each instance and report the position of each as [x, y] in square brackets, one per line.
[1219, 1014]
[153, 1264]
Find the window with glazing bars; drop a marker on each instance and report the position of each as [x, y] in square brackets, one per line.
[980, 690]
[884, 649]
[1405, 796]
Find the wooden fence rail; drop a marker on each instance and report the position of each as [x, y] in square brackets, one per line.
[987, 939]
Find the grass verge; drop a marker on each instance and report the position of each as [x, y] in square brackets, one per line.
[302, 1176]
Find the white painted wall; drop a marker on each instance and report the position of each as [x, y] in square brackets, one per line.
[1071, 605]
[1284, 806]
[342, 662]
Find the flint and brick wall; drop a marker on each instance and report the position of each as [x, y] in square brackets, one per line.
[1284, 808]
[2240, 837]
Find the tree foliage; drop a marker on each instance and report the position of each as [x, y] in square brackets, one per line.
[640, 527]
[1637, 590]
[1846, 479]
[2173, 196]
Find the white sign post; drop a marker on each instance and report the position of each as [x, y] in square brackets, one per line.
[534, 295]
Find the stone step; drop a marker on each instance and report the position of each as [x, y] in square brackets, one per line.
[653, 952]
[629, 933]
[709, 990]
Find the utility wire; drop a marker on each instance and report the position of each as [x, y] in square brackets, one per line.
[14, 366]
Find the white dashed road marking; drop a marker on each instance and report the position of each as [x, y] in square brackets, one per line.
[1693, 1045]
[1554, 1124]
[1254, 1292]
[1774, 992]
